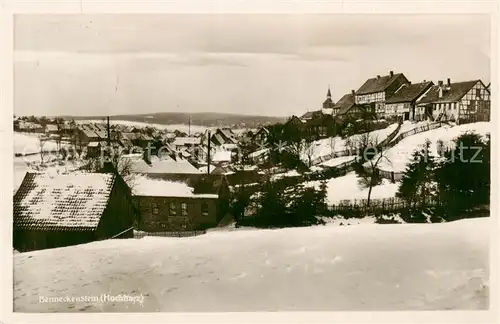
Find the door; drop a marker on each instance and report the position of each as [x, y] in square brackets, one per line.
[407, 116]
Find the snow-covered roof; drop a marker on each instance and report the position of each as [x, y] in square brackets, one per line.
[62, 202]
[181, 141]
[160, 165]
[143, 186]
[222, 156]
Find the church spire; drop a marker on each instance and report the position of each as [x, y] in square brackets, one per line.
[329, 94]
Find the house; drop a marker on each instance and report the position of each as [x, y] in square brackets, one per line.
[178, 206]
[403, 102]
[311, 115]
[322, 126]
[462, 102]
[261, 135]
[371, 96]
[154, 165]
[51, 129]
[186, 142]
[53, 211]
[86, 134]
[229, 136]
[28, 127]
[346, 106]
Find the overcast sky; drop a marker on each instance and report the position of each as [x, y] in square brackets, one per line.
[251, 64]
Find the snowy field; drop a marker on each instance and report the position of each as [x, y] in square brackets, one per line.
[409, 125]
[180, 127]
[323, 268]
[400, 155]
[23, 164]
[329, 145]
[29, 143]
[338, 161]
[346, 187]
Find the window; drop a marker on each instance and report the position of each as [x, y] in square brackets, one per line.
[163, 225]
[171, 209]
[478, 92]
[184, 209]
[155, 208]
[204, 209]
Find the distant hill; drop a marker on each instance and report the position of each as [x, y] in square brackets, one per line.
[202, 119]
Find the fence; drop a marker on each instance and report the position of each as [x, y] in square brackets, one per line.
[397, 176]
[353, 151]
[141, 234]
[360, 208]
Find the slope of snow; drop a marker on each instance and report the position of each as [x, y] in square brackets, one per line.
[23, 164]
[291, 173]
[320, 268]
[409, 125]
[329, 145]
[400, 155]
[180, 127]
[347, 187]
[25, 143]
[338, 161]
[143, 186]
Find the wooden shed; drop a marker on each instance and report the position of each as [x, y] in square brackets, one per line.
[53, 211]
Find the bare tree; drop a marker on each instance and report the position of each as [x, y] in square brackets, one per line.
[333, 142]
[369, 159]
[41, 141]
[308, 150]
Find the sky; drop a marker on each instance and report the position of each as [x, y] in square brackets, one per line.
[273, 65]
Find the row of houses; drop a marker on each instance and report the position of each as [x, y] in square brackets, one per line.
[393, 95]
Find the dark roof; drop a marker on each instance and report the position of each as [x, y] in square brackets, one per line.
[377, 84]
[456, 91]
[344, 104]
[71, 202]
[409, 92]
[328, 101]
[311, 114]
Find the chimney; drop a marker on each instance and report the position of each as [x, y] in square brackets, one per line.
[440, 83]
[378, 77]
[353, 92]
[425, 80]
[391, 73]
[449, 82]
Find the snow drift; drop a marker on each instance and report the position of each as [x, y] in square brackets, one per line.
[320, 268]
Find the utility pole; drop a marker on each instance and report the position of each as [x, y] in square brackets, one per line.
[109, 131]
[189, 126]
[208, 155]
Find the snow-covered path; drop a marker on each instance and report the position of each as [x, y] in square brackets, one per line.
[321, 268]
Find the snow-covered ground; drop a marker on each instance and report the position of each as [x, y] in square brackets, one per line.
[347, 188]
[323, 268]
[400, 155]
[338, 161]
[326, 146]
[29, 143]
[23, 164]
[291, 173]
[180, 127]
[409, 125]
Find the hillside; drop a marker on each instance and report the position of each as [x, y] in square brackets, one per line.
[200, 119]
[323, 268]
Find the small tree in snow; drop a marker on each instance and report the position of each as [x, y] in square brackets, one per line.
[42, 148]
[369, 175]
[418, 185]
